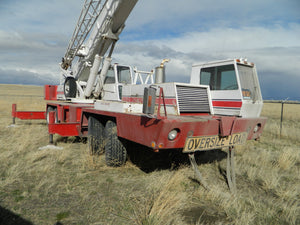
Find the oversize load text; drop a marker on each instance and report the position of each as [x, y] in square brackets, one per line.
[213, 142]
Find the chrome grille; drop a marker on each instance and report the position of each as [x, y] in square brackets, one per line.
[192, 99]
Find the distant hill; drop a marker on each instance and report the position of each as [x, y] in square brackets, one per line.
[26, 77]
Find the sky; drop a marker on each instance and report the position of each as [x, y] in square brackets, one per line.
[34, 36]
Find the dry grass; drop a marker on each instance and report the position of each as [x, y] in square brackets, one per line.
[69, 185]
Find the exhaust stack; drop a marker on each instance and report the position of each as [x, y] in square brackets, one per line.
[160, 76]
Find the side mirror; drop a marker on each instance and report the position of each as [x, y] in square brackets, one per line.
[149, 100]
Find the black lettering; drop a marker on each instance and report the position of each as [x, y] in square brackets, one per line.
[212, 142]
[207, 143]
[191, 144]
[222, 142]
[240, 139]
[235, 139]
[202, 142]
[197, 142]
[218, 142]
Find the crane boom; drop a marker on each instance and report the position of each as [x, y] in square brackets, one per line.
[97, 30]
[87, 19]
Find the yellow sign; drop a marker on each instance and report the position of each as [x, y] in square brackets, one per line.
[193, 144]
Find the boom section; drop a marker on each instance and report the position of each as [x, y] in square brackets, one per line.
[97, 30]
[87, 19]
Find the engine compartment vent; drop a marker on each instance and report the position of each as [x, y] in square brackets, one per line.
[192, 99]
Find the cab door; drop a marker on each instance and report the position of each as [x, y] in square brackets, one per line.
[250, 88]
[116, 77]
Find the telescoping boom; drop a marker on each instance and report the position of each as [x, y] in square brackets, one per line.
[93, 41]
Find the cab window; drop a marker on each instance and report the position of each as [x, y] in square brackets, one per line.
[124, 75]
[110, 77]
[248, 84]
[219, 78]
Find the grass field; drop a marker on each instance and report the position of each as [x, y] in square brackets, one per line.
[68, 185]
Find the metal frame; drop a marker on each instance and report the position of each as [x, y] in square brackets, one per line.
[282, 102]
[89, 14]
[27, 115]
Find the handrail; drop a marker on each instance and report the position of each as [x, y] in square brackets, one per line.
[161, 100]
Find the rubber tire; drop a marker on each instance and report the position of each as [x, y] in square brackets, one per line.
[95, 136]
[115, 151]
[70, 87]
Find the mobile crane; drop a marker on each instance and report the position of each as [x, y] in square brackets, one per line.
[109, 103]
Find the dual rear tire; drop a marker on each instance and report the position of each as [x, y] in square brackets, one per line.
[95, 136]
[105, 140]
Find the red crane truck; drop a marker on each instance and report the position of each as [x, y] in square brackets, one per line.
[108, 103]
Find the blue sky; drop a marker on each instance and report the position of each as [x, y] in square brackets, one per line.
[34, 35]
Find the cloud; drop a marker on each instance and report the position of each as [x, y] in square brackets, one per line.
[155, 19]
[34, 36]
[25, 77]
[279, 43]
[53, 16]
[221, 39]
[30, 42]
[279, 85]
[274, 50]
[23, 51]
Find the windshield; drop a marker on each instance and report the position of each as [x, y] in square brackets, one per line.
[124, 75]
[110, 76]
[123, 72]
[219, 78]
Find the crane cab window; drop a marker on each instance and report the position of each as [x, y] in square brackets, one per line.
[219, 78]
[124, 74]
[110, 76]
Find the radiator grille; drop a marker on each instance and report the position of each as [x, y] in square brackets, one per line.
[192, 99]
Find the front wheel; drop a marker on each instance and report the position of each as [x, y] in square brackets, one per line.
[115, 151]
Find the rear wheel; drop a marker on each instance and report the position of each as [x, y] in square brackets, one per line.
[115, 151]
[95, 136]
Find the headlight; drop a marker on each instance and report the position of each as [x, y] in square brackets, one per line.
[172, 135]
